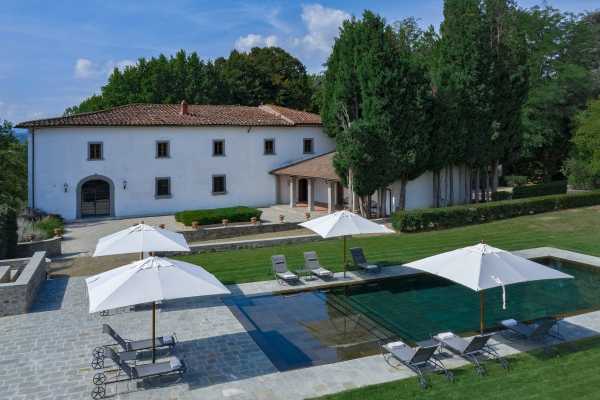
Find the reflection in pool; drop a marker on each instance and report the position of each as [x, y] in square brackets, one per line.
[320, 327]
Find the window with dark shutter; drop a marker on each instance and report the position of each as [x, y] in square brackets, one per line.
[163, 187]
[94, 151]
[308, 146]
[162, 149]
[218, 184]
[269, 146]
[218, 147]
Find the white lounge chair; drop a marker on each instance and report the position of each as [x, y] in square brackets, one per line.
[281, 271]
[311, 262]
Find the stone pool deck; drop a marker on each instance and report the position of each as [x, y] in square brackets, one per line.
[46, 353]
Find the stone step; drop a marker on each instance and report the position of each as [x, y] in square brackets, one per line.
[14, 274]
[4, 273]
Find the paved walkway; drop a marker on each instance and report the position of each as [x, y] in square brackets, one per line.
[46, 353]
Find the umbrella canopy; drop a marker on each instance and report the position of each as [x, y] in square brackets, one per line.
[140, 238]
[150, 280]
[483, 267]
[343, 223]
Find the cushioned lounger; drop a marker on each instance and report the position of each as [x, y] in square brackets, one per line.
[361, 262]
[311, 262]
[281, 271]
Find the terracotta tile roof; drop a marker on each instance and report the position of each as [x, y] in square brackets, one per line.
[315, 167]
[169, 115]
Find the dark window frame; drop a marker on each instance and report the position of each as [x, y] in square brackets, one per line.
[162, 196]
[168, 149]
[224, 184]
[312, 145]
[214, 153]
[89, 151]
[272, 152]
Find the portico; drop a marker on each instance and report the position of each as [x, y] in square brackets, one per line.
[310, 183]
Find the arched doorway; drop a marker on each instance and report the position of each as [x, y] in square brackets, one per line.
[302, 190]
[95, 197]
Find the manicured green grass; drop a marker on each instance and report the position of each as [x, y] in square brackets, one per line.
[576, 230]
[571, 371]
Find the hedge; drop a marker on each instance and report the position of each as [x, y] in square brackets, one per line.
[542, 189]
[501, 195]
[8, 232]
[217, 215]
[449, 217]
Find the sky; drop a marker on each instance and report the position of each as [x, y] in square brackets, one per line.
[54, 54]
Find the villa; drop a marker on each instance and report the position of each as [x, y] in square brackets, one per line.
[150, 159]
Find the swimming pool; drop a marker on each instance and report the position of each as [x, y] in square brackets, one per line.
[320, 327]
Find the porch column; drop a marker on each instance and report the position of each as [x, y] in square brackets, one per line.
[330, 197]
[309, 196]
[292, 183]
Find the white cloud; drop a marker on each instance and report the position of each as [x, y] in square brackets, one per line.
[84, 68]
[322, 25]
[246, 43]
[87, 69]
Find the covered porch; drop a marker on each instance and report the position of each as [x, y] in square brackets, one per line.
[311, 184]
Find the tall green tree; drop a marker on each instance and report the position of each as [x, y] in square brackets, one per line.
[563, 56]
[13, 187]
[583, 167]
[263, 75]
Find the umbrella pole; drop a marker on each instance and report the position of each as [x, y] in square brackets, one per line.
[344, 256]
[153, 332]
[481, 312]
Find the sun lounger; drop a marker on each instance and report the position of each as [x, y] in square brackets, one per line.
[174, 366]
[470, 349]
[128, 346]
[361, 262]
[281, 271]
[419, 360]
[536, 331]
[311, 262]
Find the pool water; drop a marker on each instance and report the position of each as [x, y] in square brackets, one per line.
[320, 327]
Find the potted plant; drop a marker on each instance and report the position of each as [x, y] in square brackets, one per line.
[253, 220]
[225, 221]
[281, 218]
[307, 215]
[58, 232]
[195, 225]
[162, 226]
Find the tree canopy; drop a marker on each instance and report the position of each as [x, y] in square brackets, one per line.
[263, 75]
[583, 167]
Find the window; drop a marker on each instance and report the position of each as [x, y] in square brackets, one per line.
[308, 146]
[218, 184]
[95, 151]
[163, 188]
[162, 149]
[269, 146]
[218, 147]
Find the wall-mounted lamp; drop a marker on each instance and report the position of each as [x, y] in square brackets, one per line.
[124, 184]
[66, 187]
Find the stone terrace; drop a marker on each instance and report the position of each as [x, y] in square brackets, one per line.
[47, 353]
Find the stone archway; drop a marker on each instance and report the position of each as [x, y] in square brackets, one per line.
[95, 197]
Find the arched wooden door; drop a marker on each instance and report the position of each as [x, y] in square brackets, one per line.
[95, 198]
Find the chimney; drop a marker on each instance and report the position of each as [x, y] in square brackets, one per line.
[183, 109]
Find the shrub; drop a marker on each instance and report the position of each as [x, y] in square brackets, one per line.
[449, 217]
[8, 232]
[216, 215]
[542, 189]
[515, 180]
[49, 223]
[502, 195]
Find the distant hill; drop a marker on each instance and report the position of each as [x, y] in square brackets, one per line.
[21, 134]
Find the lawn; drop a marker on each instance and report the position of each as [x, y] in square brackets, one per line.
[572, 372]
[575, 230]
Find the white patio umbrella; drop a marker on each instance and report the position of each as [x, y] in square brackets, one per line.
[482, 267]
[139, 239]
[148, 281]
[344, 223]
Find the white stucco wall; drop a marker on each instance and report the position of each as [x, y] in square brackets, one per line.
[129, 155]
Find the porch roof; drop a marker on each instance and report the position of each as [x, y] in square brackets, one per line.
[320, 166]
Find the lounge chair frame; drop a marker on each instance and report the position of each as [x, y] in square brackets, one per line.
[129, 346]
[311, 262]
[358, 256]
[475, 347]
[419, 360]
[127, 373]
[279, 268]
[540, 333]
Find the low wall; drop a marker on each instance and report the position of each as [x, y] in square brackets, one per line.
[17, 297]
[214, 232]
[50, 246]
[252, 244]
